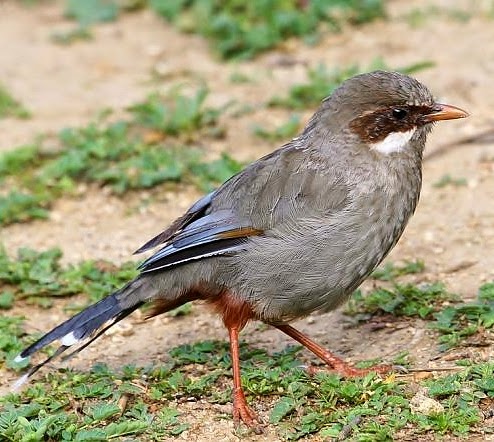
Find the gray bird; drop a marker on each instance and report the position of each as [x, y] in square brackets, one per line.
[295, 232]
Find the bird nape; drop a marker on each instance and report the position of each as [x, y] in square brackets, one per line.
[294, 233]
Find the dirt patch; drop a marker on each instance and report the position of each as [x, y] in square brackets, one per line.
[452, 231]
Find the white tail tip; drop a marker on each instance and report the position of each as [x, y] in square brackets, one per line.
[69, 339]
[18, 359]
[19, 383]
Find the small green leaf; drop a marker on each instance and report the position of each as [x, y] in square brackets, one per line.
[281, 409]
[103, 411]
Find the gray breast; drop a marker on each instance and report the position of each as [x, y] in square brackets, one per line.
[314, 264]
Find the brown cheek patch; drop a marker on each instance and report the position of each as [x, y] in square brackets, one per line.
[375, 126]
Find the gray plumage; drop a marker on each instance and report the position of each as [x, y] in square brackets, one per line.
[295, 232]
[325, 225]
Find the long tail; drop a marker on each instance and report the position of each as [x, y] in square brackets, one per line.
[83, 328]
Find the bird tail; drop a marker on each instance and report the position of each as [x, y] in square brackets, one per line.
[82, 329]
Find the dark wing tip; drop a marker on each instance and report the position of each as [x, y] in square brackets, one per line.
[195, 211]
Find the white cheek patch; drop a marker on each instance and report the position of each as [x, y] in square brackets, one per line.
[394, 142]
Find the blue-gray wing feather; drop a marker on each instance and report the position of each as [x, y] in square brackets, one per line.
[216, 233]
[197, 210]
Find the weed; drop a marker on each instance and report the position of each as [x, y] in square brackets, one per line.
[39, 277]
[10, 107]
[19, 206]
[287, 130]
[89, 12]
[457, 322]
[418, 17]
[242, 30]
[401, 300]
[448, 180]
[239, 78]
[10, 339]
[391, 271]
[124, 155]
[71, 36]
[175, 114]
[368, 407]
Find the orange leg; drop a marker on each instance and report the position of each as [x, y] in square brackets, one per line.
[329, 358]
[241, 411]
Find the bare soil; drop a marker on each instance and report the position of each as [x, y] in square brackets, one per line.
[452, 230]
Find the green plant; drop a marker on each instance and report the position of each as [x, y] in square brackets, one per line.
[367, 408]
[455, 323]
[123, 155]
[447, 180]
[89, 12]
[10, 107]
[401, 300]
[11, 333]
[39, 277]
[176, 114]
[243, 29]
[391, 271]
[283, 132]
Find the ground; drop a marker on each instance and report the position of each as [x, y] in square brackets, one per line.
[452, 230]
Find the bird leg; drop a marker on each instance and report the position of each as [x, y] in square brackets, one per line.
[337, 364]
[241, 411]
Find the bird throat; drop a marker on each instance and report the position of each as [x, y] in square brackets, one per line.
[393, 142]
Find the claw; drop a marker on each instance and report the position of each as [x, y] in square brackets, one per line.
[348, 371]
[400, 369]
[243, 413]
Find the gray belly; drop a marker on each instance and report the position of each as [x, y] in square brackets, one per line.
[312, 266]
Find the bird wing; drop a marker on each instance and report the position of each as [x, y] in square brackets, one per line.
[217, 233]
[196, 211]
[284, 186]
[291, 184]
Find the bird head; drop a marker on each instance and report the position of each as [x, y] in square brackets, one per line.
[385, 111]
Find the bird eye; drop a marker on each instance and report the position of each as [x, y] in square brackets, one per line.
[399, 114]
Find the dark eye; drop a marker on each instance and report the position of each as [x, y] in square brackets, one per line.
[399, 114]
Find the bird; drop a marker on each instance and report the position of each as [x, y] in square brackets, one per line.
[294, 233]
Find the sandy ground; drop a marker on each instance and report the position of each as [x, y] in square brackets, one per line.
[452, 231]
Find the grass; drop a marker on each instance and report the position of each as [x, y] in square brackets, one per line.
[455, 322]
[177, 114]
[71, 36]
[146, 401]
[322, 81]
[39, 277]
[241, 30]
[399, 299]
[89, 12]
[448, 180]
[420, 16]
[391, 271]
[12, 338]
[283, 132]
[234, 29]
[155, 145]
[10, 107]
[460, 322]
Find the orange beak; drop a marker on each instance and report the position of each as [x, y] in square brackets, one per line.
[445, 112]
